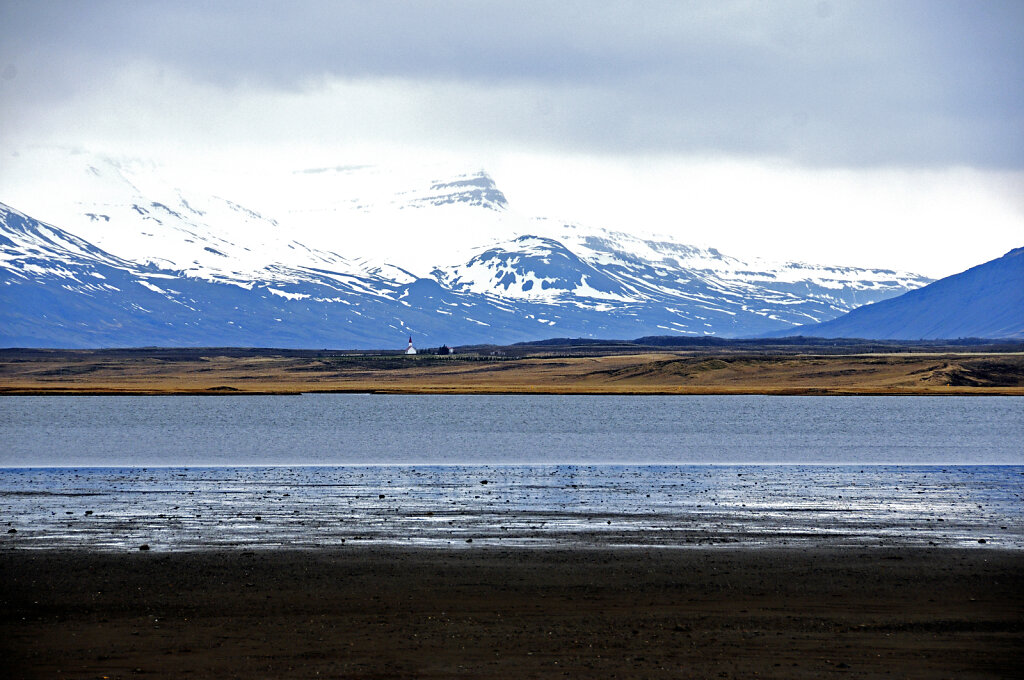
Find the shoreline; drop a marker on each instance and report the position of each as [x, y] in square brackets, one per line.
[682, 392]
[540, 613]
[492, 550]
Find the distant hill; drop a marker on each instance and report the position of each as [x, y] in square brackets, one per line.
[986, 301]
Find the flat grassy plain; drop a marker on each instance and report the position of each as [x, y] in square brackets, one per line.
[593, 369]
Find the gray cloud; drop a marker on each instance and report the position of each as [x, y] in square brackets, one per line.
[823, 83]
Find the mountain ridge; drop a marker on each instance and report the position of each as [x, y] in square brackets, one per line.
[304, 281]
[986, 300]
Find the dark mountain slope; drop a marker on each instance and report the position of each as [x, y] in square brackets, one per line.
[986, 301]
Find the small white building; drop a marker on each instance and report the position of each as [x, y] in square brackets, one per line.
[410, 349]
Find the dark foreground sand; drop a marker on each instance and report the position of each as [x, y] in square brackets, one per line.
[483, 613]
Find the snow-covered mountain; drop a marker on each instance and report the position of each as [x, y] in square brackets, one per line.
[114, 252]
[691, 290]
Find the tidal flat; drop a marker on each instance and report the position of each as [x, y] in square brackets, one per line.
[538, 536]
[538, 572]
[451, 507]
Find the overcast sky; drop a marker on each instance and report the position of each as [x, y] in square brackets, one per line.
[871, 133]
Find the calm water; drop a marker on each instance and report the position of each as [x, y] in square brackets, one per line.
[112, 473]
[374, 429]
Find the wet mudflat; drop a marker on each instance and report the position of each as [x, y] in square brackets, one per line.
[263, 508]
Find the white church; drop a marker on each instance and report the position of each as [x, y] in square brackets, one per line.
[410, 349]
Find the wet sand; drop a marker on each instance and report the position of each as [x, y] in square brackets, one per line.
[511, 506]
[379, 612]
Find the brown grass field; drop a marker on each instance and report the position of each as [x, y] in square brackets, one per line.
[645, 372]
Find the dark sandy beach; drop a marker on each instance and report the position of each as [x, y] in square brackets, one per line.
[372, 612]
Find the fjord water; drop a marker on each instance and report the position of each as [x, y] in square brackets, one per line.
[112, 473]
[336, 429]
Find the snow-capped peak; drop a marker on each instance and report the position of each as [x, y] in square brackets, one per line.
[415, 244]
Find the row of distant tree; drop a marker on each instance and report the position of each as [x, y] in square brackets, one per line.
[443, 350]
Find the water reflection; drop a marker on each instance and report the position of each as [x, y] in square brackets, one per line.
[567, 505]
